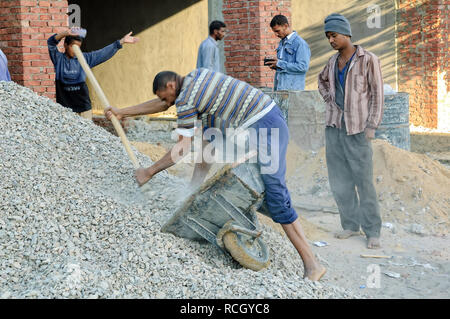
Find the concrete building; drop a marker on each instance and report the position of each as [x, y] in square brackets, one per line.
[410, 36]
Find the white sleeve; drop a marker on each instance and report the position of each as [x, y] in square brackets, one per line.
[183, 131]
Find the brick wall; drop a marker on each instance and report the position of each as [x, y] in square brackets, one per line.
[250, 38]
[423, 52]
[25, 26]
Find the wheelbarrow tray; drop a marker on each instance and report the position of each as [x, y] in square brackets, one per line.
[232, 193]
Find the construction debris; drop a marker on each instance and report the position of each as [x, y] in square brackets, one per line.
[375, 256]
[392, 274]
[320, 243]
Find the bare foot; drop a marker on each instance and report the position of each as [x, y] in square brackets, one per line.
[346, 234]
[315, 274]
[373, 243]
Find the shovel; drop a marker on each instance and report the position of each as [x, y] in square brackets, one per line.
[106, 104]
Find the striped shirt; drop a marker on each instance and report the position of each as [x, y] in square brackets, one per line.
[364, 97]
[218, 100]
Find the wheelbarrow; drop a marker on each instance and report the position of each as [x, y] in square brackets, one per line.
[223, 212]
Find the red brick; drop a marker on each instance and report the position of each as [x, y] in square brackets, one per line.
[46, 30]
[47, 83]
[40, 63]
[45, 17]
[29, 57]
[32, 83]
[32, 70]
[54, 10]
[37, 23]
[44, 3]
[53, 23]
[59, 4]
[37, 89]
[28, 3]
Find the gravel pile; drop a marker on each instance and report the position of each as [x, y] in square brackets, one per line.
[140, 131]
[73, 223]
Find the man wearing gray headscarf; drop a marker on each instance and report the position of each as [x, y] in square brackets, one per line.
[352, 86]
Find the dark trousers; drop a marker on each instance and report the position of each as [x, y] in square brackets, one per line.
[350, 173]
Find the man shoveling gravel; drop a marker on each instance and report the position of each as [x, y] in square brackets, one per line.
[222, 102]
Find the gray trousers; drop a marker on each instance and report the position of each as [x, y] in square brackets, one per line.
[350, 173]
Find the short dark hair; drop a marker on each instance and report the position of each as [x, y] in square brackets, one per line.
[70, 39]
[216, 25]
[161, 80]
[279, 20]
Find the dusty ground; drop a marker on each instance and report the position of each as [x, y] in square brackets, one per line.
[421, 262]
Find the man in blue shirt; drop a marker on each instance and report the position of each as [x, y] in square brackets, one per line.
[71, 88]
[4, 73]
[293, 56]
[208, 52]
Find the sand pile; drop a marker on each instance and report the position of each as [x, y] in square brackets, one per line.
[413, 190]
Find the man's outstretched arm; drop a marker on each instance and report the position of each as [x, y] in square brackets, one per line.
[149, 107]
[97, 57]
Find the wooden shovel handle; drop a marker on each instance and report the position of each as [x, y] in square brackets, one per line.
[106, 104]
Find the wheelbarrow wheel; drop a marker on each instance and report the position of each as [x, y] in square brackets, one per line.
[251, 253]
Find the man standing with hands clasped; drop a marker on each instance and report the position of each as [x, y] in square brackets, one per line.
[352, 86]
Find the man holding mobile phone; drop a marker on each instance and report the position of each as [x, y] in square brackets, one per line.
[293, 56]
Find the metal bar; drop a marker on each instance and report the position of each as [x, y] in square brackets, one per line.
[234, 212]
[200, 230]
[246, 231]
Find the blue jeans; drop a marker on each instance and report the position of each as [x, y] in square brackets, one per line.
[274, 146]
